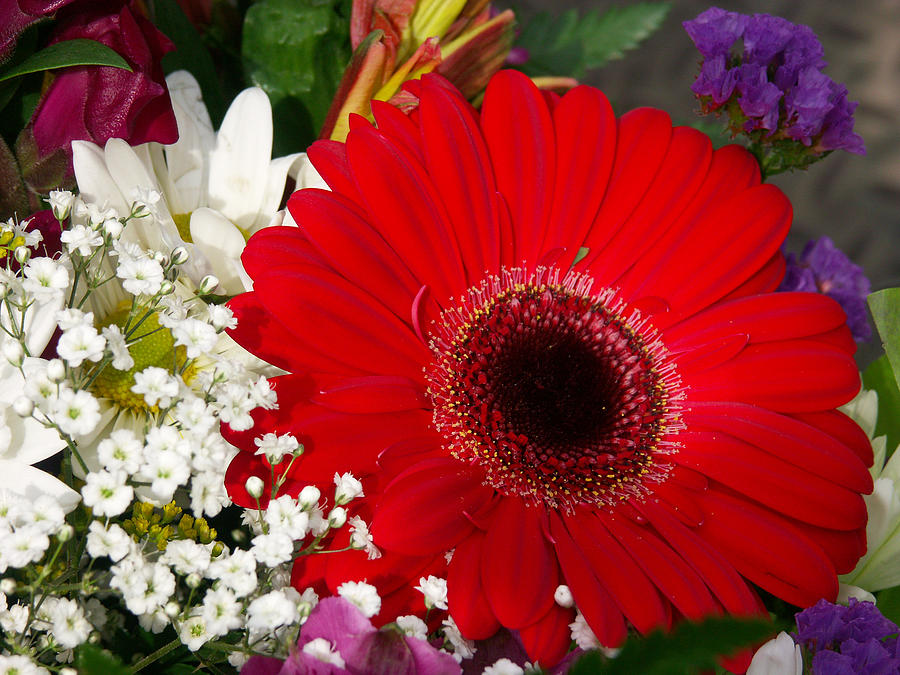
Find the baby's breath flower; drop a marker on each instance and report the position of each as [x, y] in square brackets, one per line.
[270, 611]
[156, 385]
[140, 276]
[80, 343]
[363, 595]
[435, 591]
[347, 489]
[111, 541]
[76, 413]
[115, 340]
[275, 447]
[107, 493]
[81, 239]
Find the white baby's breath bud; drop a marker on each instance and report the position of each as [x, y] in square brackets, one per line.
[22, 254]
[68, 671]
[208, 284]
[65, 533]
[337, 517]
[347, 488]
[309, 497]
[180, 255]
[166, 287]
[23, 406]
[113, 228]
[563, 596]
[56, 370]
[193, 580]
[254, 486]
[8, 586]
[4, 290]
[61, 203]
[161, 258]
[13, 352]
[172, 609]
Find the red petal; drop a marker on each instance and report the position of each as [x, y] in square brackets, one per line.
[369, 394]
[718, 574]
[670, 574]
[518, 566]
[803, 445]
[330, 160]
[767, 550]
[398, 127]
[837, 424]
[626, 582]
[680, 176]
[844, 549]
[643, 140]
[763, 318]
[457, 160]
[343, 237]
[425, 509]
[547, 640]
[340, 319]
[591, 595]
[770, 480]
[278, 247]
[585, 149]
[264, 336]
[405, 208]
[791, 376]
[518, 130]
[465, 594]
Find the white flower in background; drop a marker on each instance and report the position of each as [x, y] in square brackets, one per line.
[435, 591]
[80, 343]
[217, 188]
[77, 413]
[582, 634]
[322, 650]
[121, 451]
[273, 549]
[193, 632]
[462, 648]
[285, 515]
[187, 557]
[363, 595]
[504, 667]
[111, 541]
[269, 611]
[45, 279]
[156, 385]
[115, 340]
[222, 611]
[275, 447]
[20, 665]
[879, 568]
[361, 538]
[107, 493]
[347, 489]
[236, 572]
[412, 626]
[779, 656]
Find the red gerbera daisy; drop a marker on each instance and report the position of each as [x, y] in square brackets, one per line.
[548, 341]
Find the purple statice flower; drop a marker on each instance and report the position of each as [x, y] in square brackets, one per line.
[827, 626]
[824, 268]
[766, 72]
[338, 639]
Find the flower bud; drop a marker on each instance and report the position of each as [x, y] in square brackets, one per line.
[193, 580]
[309, 497]
[68, 671]
[166, 287]
[22, 254]
[254, 486]
[337, 517]
[161, 258]
[180, 255]
[208, 284]
[13, 352]
[56, 370]
[8, 586]
[61, 203]
[172, 609]
[563, 596]
[23, 406]
[113, 228]
[65, 533]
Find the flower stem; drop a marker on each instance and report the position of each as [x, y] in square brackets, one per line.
[155, 656]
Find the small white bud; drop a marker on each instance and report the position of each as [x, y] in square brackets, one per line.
[193, 580]
[68, 671]
[13, 352]
[161, 258]
[172, 609]
[22, 254]
[208, 284]
[166, 287]
[337, 517]
[180, 255]
[255, 486]
[23, 406]
[113, 228]
[563, 596]
[309, 497]
[8, 586]
[65, 533]
[56, 370]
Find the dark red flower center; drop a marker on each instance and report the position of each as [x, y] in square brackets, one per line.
[562, 396]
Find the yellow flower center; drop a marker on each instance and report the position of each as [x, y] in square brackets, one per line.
[151, 344]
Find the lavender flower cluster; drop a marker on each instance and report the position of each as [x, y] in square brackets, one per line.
[848, 639]
[766, 72]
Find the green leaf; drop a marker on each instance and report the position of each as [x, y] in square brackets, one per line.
[80, 52]
[689, 648]
[880, 377]
[190, 54]
[885, 306]
[572, 43]
[296, 50]
[889, 603]
[91, 660]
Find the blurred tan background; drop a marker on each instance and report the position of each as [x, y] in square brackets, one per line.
[854, 200]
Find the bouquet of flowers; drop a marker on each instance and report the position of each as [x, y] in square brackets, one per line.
[362, 338]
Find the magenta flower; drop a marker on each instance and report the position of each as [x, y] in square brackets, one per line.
[338, 638]
[96, 103]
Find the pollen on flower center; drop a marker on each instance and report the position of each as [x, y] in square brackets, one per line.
[562, 396]
[154, 346]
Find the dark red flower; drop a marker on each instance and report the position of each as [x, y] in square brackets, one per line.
[96, 103]
[548, 341]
